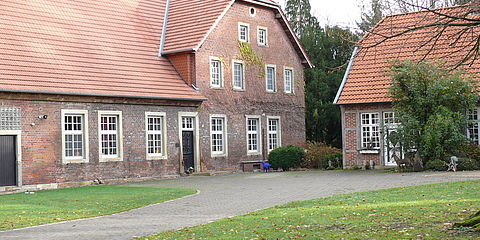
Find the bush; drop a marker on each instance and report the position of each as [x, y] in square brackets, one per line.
[465, 164]
[335, 158]
[286, 157]
[316, 154]
[436, 165]
[471, 151]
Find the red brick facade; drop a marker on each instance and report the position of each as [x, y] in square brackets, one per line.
[352, 149]
[41, 160]
[223, 43]
[41, 145]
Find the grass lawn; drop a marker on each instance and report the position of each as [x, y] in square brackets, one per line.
[23, 210]
[418, 212]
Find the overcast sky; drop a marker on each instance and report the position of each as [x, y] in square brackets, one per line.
[336, 12]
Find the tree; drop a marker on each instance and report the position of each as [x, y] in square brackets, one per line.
[372, 17]
[329, 49]
[299, 15]
[431, 103]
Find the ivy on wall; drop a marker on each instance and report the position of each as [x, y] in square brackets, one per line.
[250, 57]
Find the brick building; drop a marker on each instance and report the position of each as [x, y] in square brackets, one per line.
[137, 89]
[366, 109]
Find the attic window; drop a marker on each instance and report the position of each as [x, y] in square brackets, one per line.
[253, 12]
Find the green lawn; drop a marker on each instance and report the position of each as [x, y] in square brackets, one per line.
[419, 212]
[23, 210]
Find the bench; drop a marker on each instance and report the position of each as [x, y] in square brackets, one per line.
[251, 166]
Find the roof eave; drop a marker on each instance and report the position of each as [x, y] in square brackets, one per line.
[104, 95]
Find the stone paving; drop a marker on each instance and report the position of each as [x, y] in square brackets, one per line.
[224, 196]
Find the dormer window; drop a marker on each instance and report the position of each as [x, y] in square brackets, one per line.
[262, 36]
[243, 32]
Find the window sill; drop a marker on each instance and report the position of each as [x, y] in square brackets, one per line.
[289, 94]
[110, 159]
[74, 161]
[271, 92]
[217, 88]
[369, 151]
[239, 90]
[153, 158]
[219, 155]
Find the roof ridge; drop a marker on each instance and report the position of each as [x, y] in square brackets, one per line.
[426, 10]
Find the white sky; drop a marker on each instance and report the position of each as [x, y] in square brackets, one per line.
[343, 13]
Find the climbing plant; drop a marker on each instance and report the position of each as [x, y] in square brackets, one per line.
[250, 57]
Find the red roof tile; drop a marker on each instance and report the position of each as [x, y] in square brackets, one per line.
[102, 47]
[368, 80]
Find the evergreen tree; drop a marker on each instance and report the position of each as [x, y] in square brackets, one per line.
[372, 17]
[329, 49]
[299, 15]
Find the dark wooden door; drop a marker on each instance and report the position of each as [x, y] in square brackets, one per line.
[8, 161]
[188, 150]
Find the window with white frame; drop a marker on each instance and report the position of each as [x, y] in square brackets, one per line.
[271, 78]
[370, 127]
[253, 135]
[288, 75]
[262, 36]
[238, 75]
[473, 126]
[187, 123]
[110, 135]
[389, 118]
[218, 134]
[75, 135]
[155, 131]
[273, 133]
[243, 32]
[216, 73]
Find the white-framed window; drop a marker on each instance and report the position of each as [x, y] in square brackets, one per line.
[216, 73]
[254, 141]
[262, 36]
[110, 135]
[218, 134]
[156, 135]
[274, 133]
[271, 78]
[288, 80]
[243, 32]
[389, 118]
[74, 136]
[473, 126]
[370, 128]
[238, 72]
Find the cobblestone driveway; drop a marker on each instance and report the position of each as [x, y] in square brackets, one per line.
[224, 196]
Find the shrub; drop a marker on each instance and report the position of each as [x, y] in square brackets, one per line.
[436, 165]
[286, 157]
[465, 164]
[335, 158]
[471, 151]
[316, 154]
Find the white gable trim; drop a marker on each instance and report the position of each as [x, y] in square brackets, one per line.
[345, 77]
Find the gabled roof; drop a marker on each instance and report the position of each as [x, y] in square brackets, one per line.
[191, 21]
[367, 80]
[84, 47]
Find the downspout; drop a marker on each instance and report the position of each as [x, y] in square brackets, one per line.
[345, 77]
[164, 29]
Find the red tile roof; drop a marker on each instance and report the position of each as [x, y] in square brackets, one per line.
[84, 47]
[368, 80]
[191, 21]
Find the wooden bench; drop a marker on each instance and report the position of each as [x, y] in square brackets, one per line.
[251, 166]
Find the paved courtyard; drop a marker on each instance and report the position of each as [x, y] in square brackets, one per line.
[225, 196]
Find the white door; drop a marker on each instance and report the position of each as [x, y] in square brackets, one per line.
[391, 145]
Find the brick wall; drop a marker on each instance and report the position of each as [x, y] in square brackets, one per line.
[184, 63]
[223, 43]
[352, 134]
[41, 142]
